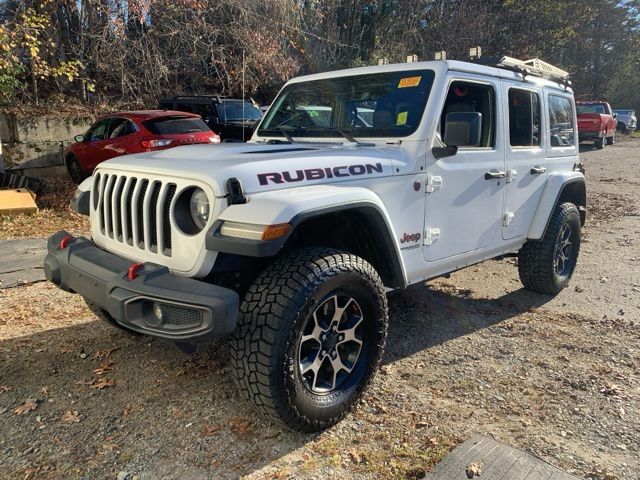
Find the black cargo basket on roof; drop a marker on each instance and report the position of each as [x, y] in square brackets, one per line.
[13, 180]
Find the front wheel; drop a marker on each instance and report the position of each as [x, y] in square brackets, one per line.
[75, 170]
[310, 334]
[546, 265]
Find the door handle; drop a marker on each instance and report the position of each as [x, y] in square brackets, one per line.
[493, 174]
[538, 170]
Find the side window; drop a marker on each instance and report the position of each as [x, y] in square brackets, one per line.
[561, 128]
[98, 131]
[524, 118]
[472, 97]
[120, 127]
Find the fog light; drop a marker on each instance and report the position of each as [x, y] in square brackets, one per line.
[158, 312]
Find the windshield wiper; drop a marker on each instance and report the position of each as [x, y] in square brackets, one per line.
[284, 130]
[341, 132]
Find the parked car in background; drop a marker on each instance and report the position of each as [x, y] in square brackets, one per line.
[627, 121]
[233, 119]
[122, 133]
[596, 122]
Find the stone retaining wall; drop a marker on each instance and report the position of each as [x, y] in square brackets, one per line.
[34, 143]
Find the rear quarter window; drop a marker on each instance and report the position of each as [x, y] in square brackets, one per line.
[175, 125]
[562, 129]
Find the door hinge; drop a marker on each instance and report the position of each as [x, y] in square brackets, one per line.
[512, 173]
[433, 183]
[507, 218]
[431, 235]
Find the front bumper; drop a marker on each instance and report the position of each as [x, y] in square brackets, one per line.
[192, 311]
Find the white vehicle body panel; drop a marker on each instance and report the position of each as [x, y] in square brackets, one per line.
[284, 180]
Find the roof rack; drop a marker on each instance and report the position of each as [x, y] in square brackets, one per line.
[535, 67]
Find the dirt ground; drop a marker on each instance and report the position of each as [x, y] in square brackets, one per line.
[474, 353]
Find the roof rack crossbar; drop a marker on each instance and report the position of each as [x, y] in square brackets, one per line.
[535, 67]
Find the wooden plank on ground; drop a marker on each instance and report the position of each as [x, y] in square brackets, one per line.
[496, 461]
[21, 261]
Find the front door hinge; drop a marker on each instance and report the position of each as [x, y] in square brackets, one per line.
[512, 173]
[431, 235]
[507, 218]
[433, 183]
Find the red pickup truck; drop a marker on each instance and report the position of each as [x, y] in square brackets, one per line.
[596, 122]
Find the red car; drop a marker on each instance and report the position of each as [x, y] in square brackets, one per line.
[596, 122]
[133, 132]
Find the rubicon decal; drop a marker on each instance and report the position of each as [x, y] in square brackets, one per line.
[319, 173]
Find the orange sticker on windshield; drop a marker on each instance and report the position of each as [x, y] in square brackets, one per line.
[409, 82]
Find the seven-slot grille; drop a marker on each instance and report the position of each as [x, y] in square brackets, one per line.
[134, 211]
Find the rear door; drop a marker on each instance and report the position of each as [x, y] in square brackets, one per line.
[465, 191]
[525, 158]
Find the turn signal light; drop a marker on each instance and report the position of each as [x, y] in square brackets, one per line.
[251, 231]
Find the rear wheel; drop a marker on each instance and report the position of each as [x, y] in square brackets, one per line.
[75, 170]
[611, 140]
[310, 335]
[546, 265]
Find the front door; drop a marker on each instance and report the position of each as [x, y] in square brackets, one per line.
[526, 159]
[465, 191]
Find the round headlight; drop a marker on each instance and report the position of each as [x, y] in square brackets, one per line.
[199, 208]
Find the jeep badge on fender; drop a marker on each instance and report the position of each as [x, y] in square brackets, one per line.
[288, 244]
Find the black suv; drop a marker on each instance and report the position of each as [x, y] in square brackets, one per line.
[232, 119]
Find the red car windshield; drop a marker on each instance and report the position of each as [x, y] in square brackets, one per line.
[175, 125]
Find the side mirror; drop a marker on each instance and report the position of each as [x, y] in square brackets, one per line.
[615, 115]
[463, 129]
[79, 138]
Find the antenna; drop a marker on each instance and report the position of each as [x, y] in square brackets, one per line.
[243, 116]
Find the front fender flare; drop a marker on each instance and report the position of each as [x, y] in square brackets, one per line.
[556, 184]
[294, 206]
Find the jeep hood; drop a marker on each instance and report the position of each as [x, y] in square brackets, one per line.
[263, 167]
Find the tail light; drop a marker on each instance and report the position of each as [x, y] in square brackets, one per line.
[215, 138]
[156, 143]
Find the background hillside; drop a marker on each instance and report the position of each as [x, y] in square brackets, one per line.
[130, 52]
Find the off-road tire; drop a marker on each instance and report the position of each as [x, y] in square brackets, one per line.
[599, 143]
[611, 140]
[272, 319]
[75, 170]
[536, 258]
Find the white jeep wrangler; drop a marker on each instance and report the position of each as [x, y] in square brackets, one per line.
[355, 183]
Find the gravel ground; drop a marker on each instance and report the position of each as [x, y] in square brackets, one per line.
[474, 353]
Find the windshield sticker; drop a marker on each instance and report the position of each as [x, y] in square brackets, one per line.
[402, 118]
[409, 82]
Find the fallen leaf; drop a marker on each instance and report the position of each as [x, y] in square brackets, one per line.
[26, 407]
[71, 417]
[104, 368]
[473, 470]
[102, 383]
[44, 390]
[209, 430]
[355, 456]
[105, 353]
[5, 388]
[239, 425]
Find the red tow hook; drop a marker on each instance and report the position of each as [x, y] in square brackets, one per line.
[134, 268]
[65, 241]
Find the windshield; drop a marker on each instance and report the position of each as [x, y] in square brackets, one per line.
[623, 112]
[232, 111]
[376, 105]
[591, 108]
